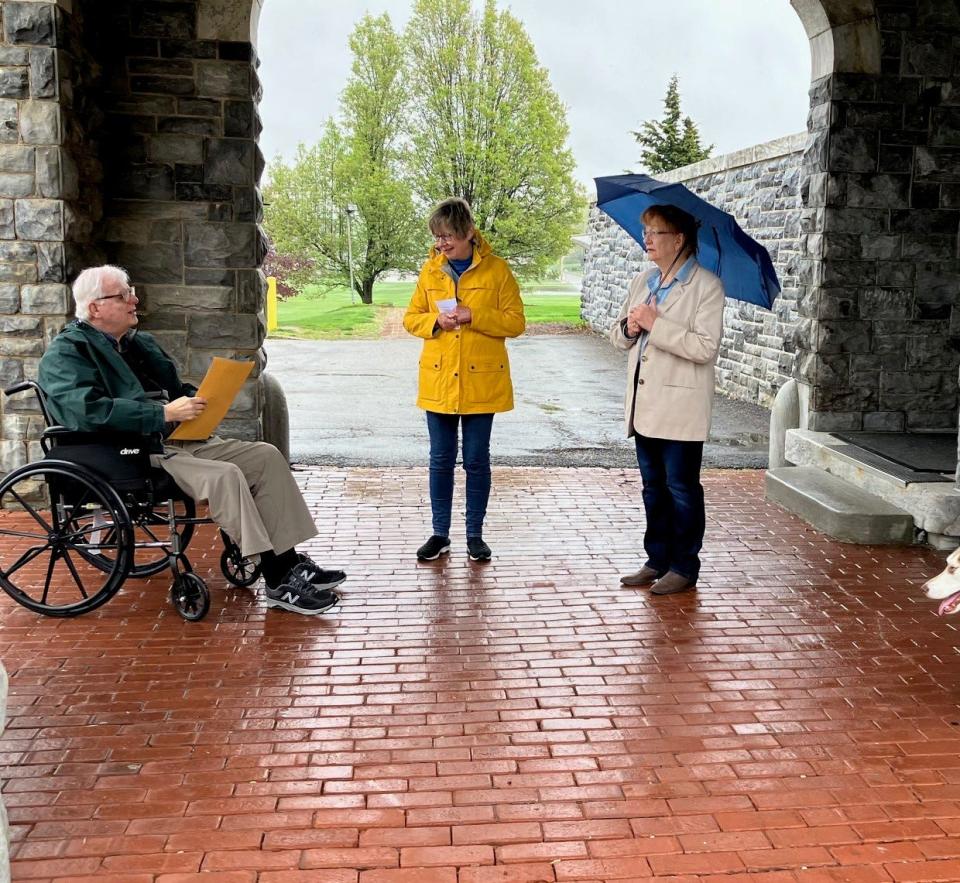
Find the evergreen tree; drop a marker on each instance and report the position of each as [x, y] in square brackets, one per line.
[670, 143]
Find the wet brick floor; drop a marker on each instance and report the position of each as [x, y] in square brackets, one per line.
[794, 721]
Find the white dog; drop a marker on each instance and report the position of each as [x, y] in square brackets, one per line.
[945, 586]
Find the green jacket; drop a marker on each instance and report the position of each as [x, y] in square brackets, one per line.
[89, 387]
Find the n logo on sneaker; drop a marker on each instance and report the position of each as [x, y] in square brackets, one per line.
[290, 598]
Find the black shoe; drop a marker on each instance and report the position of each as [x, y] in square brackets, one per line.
[478, 549]
[321, 579]
[433, 548]
[297, 594]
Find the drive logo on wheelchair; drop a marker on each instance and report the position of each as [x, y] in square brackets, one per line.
[126, 452]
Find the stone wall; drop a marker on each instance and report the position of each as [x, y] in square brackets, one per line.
[182, 204]
[39, 194]
[125, 137]
[761, 188]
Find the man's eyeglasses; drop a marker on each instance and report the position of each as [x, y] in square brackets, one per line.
[444, 237]
[127, 295]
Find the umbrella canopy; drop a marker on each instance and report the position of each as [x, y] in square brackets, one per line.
[742, 263]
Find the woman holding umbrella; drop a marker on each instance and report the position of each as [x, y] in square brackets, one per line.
[671, 325]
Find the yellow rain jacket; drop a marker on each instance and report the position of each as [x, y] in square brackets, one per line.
[466, 371]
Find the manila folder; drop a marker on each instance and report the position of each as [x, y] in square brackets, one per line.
[220, 387]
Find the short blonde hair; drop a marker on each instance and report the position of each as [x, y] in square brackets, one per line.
[88, 286]
[454, 214]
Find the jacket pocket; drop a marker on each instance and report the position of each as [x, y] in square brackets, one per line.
[683, 373]
[430, 378]
[489, 380]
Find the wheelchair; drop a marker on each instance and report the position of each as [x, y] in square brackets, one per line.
[93, 512]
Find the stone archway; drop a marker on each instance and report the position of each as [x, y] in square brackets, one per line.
[130, 130]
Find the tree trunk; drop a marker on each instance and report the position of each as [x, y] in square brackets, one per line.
[366, 291]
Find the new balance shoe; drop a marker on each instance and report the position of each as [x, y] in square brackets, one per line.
[323, 579]
[297, 594]
[478, 549]
[433, 548]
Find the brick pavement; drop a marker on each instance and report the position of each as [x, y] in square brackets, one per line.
[795, 721]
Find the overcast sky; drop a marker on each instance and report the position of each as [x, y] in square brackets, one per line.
[744, 68]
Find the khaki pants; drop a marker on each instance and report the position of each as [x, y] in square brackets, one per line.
[249, 488]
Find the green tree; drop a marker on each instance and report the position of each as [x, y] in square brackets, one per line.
[348, 195]
[668, 143]
[486, 125]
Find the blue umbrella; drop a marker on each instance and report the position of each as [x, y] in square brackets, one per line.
[742, 263]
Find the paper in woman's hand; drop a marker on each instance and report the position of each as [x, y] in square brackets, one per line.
[220, 387]
[447, 305]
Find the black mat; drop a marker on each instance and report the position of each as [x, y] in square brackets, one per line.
[918, 451]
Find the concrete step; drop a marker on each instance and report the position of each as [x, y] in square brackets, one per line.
[837, 508]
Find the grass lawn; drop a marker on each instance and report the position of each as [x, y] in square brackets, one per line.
[318, 314]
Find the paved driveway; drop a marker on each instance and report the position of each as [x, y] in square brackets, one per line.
[351, 403]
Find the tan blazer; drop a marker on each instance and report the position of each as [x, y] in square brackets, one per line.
[671, 395]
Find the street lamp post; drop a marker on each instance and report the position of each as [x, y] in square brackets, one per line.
[353, 291]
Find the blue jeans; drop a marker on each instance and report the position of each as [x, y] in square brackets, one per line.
[673, 503]
[476, 463]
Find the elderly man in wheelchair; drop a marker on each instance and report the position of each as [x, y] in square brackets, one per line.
[114, 497]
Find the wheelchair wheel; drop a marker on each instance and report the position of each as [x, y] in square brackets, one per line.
[190, 596]
[151, 525]
[239, 571]
[54, 518]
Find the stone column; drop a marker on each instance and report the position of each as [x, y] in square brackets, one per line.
[182, 168]
[36, 185]
[880, 296]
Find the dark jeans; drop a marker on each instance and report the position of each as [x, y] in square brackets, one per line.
[673, 502]
[476, 463]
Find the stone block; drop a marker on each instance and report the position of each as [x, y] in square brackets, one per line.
[43, 73]
[12, 252]
[178, 86]
[188, 298]
[14, 56]
[155, 262]
[175, 149]
[45, 299]
[13, 455]
[239, 119]
[40, 122]
[51, 262]
[220, 245]
[40, 220]
[223, 332]
[14, 83]
[29, 23]
[14, 158]
[16, 186]
[7, 225]
[20, 273]
[208, 127]
[166, 20]
[57, 174]
[9, 121]
[222, 79]
[153, 182]
[228, 161]
[188, 48]
[9, 303]
[878, 191]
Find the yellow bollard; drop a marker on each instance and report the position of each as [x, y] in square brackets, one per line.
[271, 303]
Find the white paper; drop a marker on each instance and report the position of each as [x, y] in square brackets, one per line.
[448, 305]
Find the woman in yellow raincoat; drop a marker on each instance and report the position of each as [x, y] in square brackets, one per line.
[466, 303]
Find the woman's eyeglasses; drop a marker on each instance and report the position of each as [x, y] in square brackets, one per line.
[444, 237]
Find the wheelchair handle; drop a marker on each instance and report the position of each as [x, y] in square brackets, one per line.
[20, 387]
